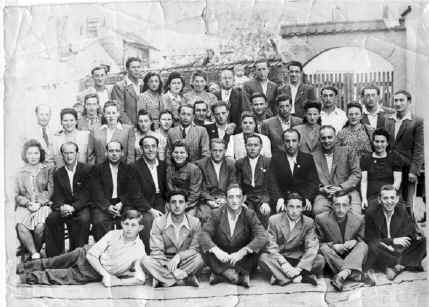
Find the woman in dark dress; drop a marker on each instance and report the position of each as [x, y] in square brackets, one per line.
[378, 168]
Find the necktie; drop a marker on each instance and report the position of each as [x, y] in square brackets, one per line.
[184, 133]
[45, 136]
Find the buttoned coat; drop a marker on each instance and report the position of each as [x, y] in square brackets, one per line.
[127, 99]
[345, 170]
[272, 128]
[305, 93]
[299, 243]
[196, 139]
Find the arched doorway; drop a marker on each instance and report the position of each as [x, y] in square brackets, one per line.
[349, 69]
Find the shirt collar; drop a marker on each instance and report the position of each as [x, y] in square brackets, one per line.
[118, 126]
[335, 112]
[230, 216]
[365, 111]
[121, 237]
[254, 159]
[283, 120]
[128, 81]
[149, 165]
[184, 223]
[407, 116]
[73, 171]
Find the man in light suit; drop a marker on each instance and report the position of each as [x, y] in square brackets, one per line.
[232, 239]
[339, 173]
[127, 91]
[220, 129]
[374, 114]
[252, 175]
[150, 175]
[231, 95]
[341, 235]
[261, 84]
[292, 171]
[195, 137]
[113, 188]
[218, 173]
[70, 200]
[174, 250]
[406, 130]
[292, 252]
[274, 126]
[299, 92]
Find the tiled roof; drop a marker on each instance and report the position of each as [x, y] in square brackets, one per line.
[336, 27]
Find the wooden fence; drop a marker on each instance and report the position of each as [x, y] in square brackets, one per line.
[349, 85]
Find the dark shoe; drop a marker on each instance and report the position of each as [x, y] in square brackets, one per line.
[192, 281]
[391, 273]
[338, 283]
[214, 279]
[308, 279]
[368, 280]
[244, 280]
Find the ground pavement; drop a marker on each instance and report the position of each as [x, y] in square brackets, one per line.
[408, 290]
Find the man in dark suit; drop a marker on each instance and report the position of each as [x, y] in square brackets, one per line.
[299, 92]
[292, 171]
[252, 175]
[341, 235]
[406, 130]
[292, 252]
[261, 84]
[231, 95]
[195, 137]
[259, 107]
[70, 203]
[232, 239]
[149, 172]
[218, 173]
[374, 114]
[274, 126]
[113, 188]
[127, 91]
[338, 171]
[220, 129]
[394, 245]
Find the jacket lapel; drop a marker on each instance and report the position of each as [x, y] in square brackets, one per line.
[130, 89]
[402, 128]
[350, 227]
[321, 162]
[224, 224]
[146, 172]
[107, 174]
[299, 94]
[65, 179]
[76, 177]
[222, 174]
[335, 158]
[334, 228]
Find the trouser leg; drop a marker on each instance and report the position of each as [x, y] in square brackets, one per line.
[271, 266]
[145, 233]
[334, 260]
[54, 234]
[78, 225]
[102, 223]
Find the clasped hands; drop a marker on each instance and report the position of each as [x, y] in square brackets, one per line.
[345, 247]
[229, 258]
[66, 210]
[330, 190]
[216, 203]
[115, 210]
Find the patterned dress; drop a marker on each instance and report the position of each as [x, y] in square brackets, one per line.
[357, 138]
[33, 185]
[151, 102]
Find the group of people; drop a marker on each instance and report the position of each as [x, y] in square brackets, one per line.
[263, 175]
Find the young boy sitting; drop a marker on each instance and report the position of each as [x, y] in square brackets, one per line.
[110, 260]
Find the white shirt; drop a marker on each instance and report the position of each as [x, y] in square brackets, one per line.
[136, 87]
[217, 167]
[114, 172]
[177, 228]
[253, 163]
[153, 169]
[221, 132]
[110, 132]
[372, 117]
[264, 86]
[388, 220]
[232, 221]
[70, 174]
[285, 124]
[292, 162]
[103, 97]
[329, 159]
[225, 94]
[398, 122]
[336, 118]
[291, 223]
[293, 91]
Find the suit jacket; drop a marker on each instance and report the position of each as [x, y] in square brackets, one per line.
[236, 147]
[345, 170]
[381, 117]
[213, 133]
[197, 140]
[252, 86]
[248, 232]
[80, 197]
[83, 123]
[81, 138]
[303, 180]
[123, 135]
[329, 231]
[127, 98]
[102, 185]
[211, 187]
[257, 194]
[235, 104]
[408, 143]
[309, 138]
[305, 92]
[401, 225]
[272, 128]
[163, 241]
[299, 243]
[146, 186]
